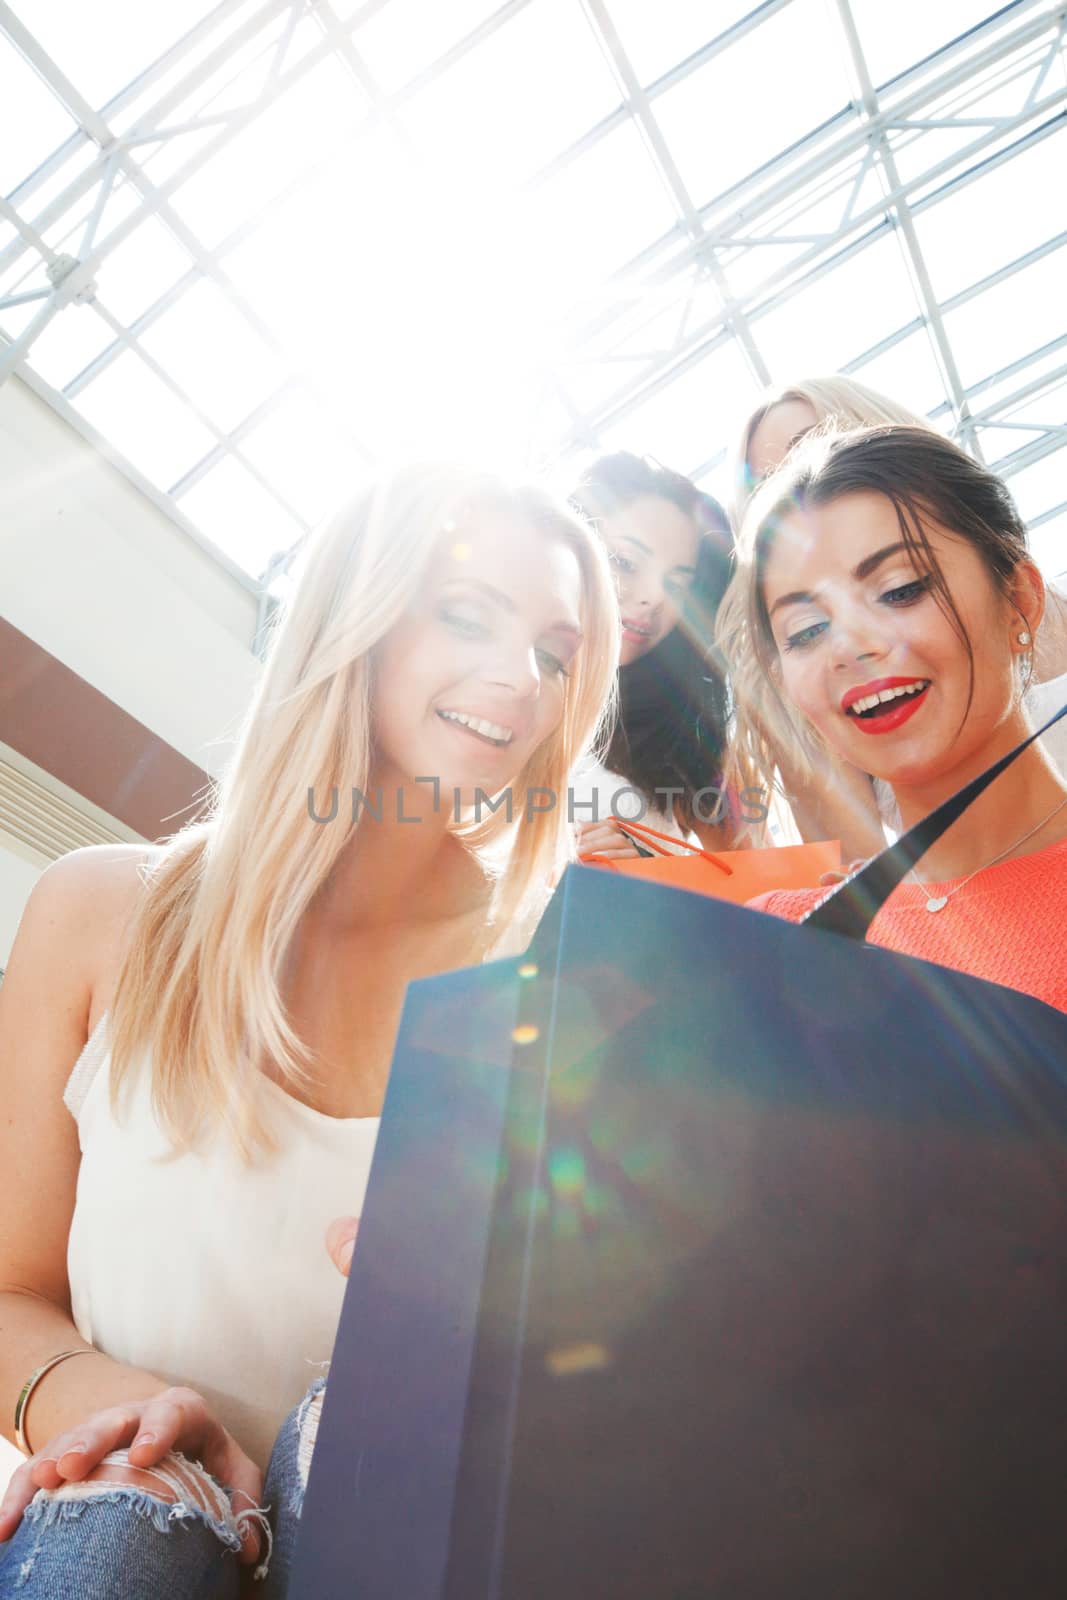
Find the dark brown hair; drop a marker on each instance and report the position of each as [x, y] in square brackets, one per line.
[927, 479]
[671, 729]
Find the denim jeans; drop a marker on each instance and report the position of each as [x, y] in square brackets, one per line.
[122, 1543]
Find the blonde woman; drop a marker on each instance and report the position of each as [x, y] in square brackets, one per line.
[785, 415]
[828, 797]
[231, 999]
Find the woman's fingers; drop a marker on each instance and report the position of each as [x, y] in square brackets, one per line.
[66, 1459]
[179, 1420]
[341, 1241]
[828, 879]
[245, 1483]
[173, 1420]
[605, 839]
[74, 1454]
[20, 1491]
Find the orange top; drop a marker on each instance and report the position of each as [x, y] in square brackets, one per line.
[1007, 925]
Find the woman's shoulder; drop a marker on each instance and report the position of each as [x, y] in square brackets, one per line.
[63, 964]
[96, 880]
[83, 903]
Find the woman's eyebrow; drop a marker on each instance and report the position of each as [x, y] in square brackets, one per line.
[869, 563]
[501, 599]
[863, 570]
[798, 597]
[564, 625]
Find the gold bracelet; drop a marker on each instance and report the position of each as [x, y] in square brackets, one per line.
[30, 1385]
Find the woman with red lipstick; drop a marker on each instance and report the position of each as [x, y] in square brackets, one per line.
[837, 799]
[889, 598]
[668, 545]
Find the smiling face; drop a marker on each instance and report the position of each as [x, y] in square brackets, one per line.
[867, 654]
[473, 678]
[653, 546]
[776, 434]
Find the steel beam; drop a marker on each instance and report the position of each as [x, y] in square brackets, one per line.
[786, 282]
[639, 106]
[666, 272]
[886, 161]
[790, 174]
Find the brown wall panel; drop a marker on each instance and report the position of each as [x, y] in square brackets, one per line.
[60, 722]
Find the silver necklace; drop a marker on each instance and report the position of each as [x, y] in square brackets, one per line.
[938, 902]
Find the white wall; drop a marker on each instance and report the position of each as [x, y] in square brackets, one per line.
[103, 579]
[18, 874]
[98, 575]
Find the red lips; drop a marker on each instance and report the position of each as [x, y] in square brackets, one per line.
[895, 712]
[876, 686]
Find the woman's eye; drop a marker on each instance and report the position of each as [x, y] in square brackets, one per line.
[682, 585]
[805, 636]
[470, 627]
[552, 664]
[620, 562]
[907, 593]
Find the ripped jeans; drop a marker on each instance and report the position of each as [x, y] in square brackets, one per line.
[175, 1541]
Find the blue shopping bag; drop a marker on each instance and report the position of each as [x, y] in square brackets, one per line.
[704, 1255]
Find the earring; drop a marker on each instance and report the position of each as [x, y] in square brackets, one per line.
[1023, 637]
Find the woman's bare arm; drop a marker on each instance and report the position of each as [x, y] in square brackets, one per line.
[64, 952]
[837, 802]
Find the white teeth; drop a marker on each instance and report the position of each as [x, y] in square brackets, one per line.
[869, 701]
[488, 730]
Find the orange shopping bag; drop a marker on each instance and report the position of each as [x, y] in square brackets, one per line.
[737, 875]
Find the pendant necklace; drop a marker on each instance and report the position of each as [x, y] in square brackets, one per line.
[938, 902]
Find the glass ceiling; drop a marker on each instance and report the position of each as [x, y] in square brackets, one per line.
[259, 245]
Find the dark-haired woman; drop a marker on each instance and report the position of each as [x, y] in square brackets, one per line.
[891, 606]
[836, 798]
[669, 547]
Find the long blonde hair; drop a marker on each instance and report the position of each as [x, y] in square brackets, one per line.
[200, 993]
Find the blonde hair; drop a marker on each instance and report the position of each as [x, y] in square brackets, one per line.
[200, 989]
[837, 401]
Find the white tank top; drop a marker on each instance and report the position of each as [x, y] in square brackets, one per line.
[201, 1269]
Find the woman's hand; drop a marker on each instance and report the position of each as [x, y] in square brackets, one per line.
[829, 879]
[341, 1241]
[176, 1419]
[605, 838]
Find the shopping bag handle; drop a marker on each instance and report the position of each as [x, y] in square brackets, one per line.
[851, 906]
[643, 834]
